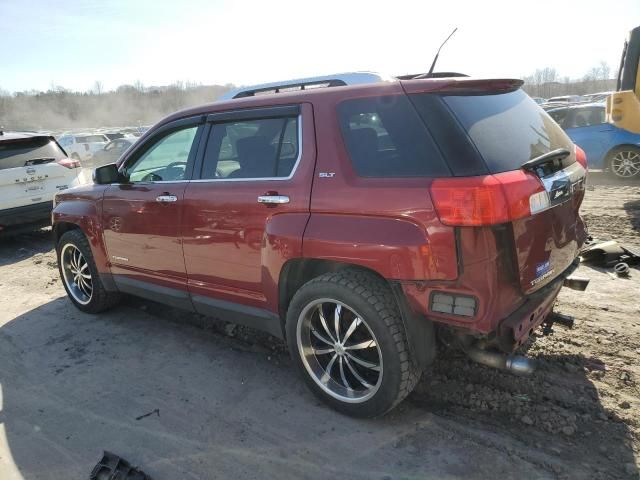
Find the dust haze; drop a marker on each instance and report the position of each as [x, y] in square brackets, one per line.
[128, 105]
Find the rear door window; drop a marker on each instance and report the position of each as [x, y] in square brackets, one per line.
[586, 117]
[252, 149]
[385, 137]
[31, 151]
[508, 129]
[559, 116]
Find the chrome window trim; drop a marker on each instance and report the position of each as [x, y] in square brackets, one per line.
[269, 179]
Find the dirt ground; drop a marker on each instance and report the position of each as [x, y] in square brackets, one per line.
[225, 401]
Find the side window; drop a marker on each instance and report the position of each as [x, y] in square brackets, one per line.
[385, 137]
[587, 117]
[559, 116]
[247, 149]
[165, 160]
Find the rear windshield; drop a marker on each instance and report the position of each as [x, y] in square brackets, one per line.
[91, 139]
[508, 129]
[23, 152]
[385, 137]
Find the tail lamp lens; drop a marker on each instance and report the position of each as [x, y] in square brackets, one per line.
[581, 157]
[69, 163]
[488, 199]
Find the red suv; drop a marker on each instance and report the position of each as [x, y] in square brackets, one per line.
[358, 222]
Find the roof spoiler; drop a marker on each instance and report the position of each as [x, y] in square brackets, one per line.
[463, 86]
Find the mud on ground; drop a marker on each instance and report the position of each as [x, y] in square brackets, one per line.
[229, 403]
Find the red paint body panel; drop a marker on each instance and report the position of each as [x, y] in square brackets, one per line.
[82, 206]
[487, 274]
[142, 236]
[560, 247]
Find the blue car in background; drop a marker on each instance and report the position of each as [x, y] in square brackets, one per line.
[607, 146]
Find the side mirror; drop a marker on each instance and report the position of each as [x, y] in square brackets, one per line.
[106, 174]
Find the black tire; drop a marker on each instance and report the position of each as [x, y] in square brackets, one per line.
[100, 299]
[618, 155]
[371, 298]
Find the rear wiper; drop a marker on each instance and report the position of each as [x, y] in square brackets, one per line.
[39, 161]
[557, 154]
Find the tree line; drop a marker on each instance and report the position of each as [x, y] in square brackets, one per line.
[547, 82]
[131, 105]
[128, 105]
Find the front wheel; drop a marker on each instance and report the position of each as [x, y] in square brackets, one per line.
[80, 276]
[624, 162]
[346, 336]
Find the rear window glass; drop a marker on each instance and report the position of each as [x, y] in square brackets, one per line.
[20, 153]
[508, 129]
[91, 139]
[385, 137]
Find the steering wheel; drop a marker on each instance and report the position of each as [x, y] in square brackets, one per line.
[175, 170]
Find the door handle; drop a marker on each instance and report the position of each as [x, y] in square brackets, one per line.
[273, 199]
[166, 198]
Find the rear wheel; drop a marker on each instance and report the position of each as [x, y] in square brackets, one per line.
[80, 276]
[346, 336]
[624, 162]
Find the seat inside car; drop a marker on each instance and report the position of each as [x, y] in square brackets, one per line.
[256, 157]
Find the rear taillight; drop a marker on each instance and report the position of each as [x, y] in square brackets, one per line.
[581, 157]
[488, 199]
[69, 163]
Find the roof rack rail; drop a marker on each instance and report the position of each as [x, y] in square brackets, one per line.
[336, 80]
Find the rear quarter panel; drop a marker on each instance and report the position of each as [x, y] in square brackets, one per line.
[386, 224]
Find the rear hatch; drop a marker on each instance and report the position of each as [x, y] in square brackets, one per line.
[32, 170]
[511, 164]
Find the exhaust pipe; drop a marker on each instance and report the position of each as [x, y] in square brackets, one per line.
[513, 363]
[576, 283]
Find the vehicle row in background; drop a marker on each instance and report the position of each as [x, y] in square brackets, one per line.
[606, 145]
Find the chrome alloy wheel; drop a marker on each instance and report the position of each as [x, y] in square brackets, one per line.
[339, 351]
[76, 273]
[626, 164]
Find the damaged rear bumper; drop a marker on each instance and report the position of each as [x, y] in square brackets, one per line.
[514, 330]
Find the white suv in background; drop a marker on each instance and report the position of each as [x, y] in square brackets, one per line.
[82, 146]
[33, 168]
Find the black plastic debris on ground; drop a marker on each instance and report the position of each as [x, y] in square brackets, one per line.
[112, 467]
[608, 254]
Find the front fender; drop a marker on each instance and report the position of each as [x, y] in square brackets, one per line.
[82, 208]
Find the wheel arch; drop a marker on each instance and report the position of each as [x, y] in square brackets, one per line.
[419, 330]
[60, 228]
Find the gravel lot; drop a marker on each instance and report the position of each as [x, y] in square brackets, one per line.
[227, 402]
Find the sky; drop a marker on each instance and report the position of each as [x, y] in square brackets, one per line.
[74, 43]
